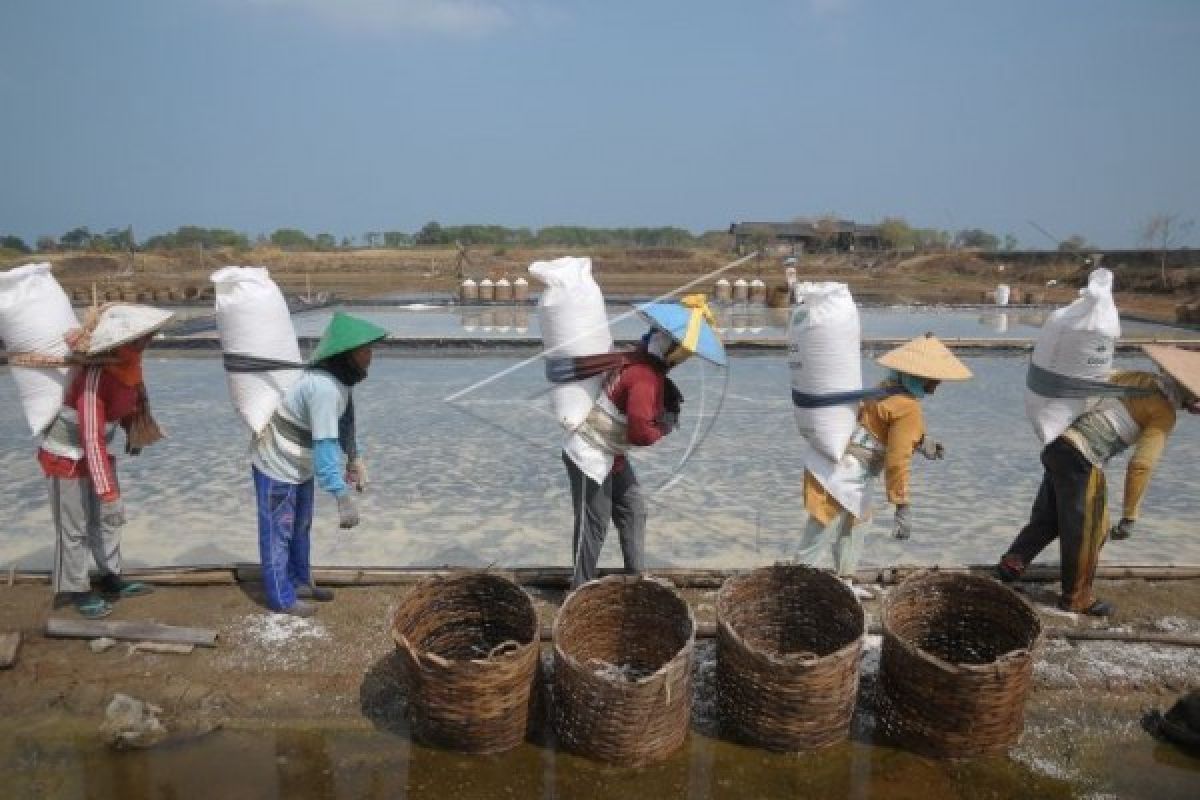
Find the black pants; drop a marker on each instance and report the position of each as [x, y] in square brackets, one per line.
[1071, 506]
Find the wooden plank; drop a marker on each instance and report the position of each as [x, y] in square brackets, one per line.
[162, 647]
[129, 630]
[10, 643]
[1148, 637]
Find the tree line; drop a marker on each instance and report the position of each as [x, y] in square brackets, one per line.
[432, 234]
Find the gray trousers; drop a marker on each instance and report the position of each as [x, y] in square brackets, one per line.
[76, 510]
[619, 498]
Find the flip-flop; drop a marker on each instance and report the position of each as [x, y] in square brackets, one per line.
[116, 588]
[92, 606]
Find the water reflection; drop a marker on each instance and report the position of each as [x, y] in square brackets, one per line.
[742, 320]
[316, 762]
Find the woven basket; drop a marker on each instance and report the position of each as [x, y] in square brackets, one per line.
[469, 644]
[623, 648]
[789, 642]
[956, 664]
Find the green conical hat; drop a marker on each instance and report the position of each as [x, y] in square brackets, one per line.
[345, 333]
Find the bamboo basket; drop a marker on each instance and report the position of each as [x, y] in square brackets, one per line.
[469, 644]
[956, 665]
[623, 651]
[789, 642]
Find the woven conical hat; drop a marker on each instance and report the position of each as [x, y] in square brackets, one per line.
[121, 323]
[1182, 365]
[925, 357]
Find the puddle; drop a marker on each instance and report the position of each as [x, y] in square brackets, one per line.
[315, 762]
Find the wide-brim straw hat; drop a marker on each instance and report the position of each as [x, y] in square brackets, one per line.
[122, 323]
[925, 357]
[1182, 365]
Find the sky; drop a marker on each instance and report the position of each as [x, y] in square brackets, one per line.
[348, 116]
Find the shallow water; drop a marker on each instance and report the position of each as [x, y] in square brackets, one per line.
[744, 322]
[480, 481]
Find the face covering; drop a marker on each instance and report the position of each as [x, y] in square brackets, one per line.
[659, 344]
[128, 369]
[343, 368]
[911, 383]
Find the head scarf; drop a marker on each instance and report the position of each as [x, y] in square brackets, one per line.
[342, 367]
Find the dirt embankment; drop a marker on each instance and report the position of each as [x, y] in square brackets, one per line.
[340, 665]
[960, 277]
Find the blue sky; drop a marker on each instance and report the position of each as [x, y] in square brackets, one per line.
[350, 116]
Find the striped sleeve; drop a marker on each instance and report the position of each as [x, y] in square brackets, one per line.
[92, 424]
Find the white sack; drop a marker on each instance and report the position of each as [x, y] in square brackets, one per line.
[574, 322]
[1077, 341]
[824, 339]
[253, 320]
[34, 314]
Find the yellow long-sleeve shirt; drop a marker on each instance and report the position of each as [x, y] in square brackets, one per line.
[1155, 418]
[898, 423]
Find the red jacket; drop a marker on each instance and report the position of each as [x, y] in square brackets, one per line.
[638, 392]
[98, 398]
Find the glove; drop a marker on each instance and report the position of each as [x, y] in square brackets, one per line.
[902, 522]
[347, 511]
[1122, 530]
[112, 513]
[931, 449]
[356, 474]
[669, 421]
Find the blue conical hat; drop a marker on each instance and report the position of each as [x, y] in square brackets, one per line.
[690, 323]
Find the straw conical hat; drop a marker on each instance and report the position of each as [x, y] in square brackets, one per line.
[1182, 365]
[121, 323]
[925, 357]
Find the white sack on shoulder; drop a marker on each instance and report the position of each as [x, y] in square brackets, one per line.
[35, 313]
[824, 355]
[1077, 341]
[574, 322]
[253, 320]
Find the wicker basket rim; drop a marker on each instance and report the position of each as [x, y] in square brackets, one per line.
[1017, 654]
[1001, 660]
[418, 654]
[791, 659]
[733, 580]
[683, 651]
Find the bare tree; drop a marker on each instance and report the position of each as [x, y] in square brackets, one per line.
[1162, 232]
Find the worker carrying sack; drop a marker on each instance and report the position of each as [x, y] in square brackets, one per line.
[1073, 358]
[262, 355]
[574, 323]
[35, 314]
[824, 342]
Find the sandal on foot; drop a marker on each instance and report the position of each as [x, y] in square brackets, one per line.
[1099, 608]
[1010, 569]
[310, 591]
[113, 587]
[92, 606]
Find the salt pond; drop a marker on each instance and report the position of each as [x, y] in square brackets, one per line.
[744, 321]
[479, 481]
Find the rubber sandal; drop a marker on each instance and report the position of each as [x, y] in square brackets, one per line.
[1100, 608]
[113, 587]
[1010, 569]
[92, 606]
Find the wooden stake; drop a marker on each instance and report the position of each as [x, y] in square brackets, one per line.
[9, 644]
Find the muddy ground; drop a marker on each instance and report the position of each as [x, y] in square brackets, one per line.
[338, 667]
